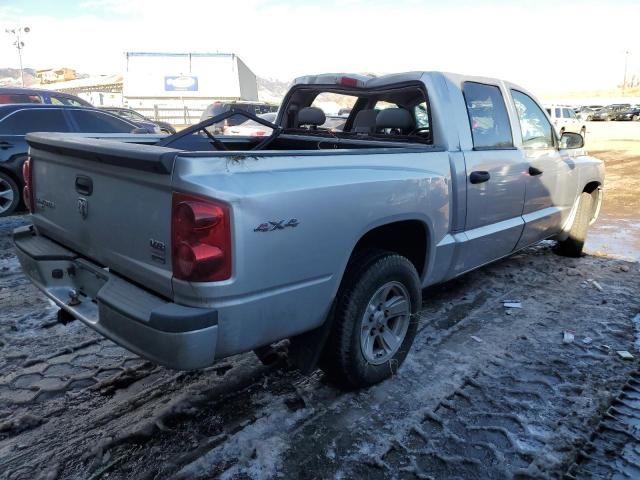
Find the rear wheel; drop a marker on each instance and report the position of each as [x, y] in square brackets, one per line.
[572, 246]
[583, 132]
[9, 195]
[374, 322]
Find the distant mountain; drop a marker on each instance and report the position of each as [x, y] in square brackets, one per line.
[271, 90]
[11, 77]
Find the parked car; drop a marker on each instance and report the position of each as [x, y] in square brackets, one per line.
[630, 114]
[135, 117]
[564, 119]
[217, 108]
[16, 120]
[326, 238]
[251, 128]
[39, 95]
[584, 113]
[604, 114]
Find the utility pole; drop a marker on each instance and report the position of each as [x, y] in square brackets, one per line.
[624, 81]
[19, 44]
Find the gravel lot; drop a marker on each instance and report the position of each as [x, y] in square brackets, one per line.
[486, 393]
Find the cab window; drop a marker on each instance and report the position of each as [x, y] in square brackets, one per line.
[331, 104]
[488, 116]
[97, 122]
[34, 120]
[537, 132]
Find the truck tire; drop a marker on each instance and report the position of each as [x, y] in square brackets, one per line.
[572, 246]
[9, 195]
[375, 320]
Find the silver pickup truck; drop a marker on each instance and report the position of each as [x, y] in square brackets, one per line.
[193, 247]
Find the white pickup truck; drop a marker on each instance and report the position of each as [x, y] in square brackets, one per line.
[194, 247]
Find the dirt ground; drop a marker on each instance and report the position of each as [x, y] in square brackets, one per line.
[618, 228]
[486, 393]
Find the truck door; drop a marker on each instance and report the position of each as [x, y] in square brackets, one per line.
[546, 204]
[495, 179]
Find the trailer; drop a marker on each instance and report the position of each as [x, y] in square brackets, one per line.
[177, 87]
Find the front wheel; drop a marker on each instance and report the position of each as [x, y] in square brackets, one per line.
[572, 246]
[583, 132]
[9, 195]
[375, 320]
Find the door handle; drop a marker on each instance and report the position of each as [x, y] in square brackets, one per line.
[533, 171]
[5, 145]
[479, 176]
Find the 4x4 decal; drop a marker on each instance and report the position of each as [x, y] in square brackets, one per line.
[279, 225]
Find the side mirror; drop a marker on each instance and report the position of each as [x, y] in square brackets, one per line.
[571, 140]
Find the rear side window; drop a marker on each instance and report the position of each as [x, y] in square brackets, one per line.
[98, 122]
[488, 116]
[36, 120]
[537, 132]
[566, 113]
[558, 113]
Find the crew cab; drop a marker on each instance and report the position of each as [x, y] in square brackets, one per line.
[202, 246]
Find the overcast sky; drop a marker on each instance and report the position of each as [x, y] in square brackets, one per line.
[543, 45]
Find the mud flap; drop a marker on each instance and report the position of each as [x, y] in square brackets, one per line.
[305, 349]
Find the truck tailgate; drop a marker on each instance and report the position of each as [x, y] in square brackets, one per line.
[108, 201]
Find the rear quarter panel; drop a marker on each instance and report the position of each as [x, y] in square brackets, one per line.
[286, 279]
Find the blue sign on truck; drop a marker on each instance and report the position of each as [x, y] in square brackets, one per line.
[181, 83]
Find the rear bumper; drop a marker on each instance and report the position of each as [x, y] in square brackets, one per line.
[167, 333]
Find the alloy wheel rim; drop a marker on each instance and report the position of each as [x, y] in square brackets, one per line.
[385, 323]
[6, 195]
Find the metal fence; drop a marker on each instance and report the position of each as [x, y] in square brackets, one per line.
[173, 115]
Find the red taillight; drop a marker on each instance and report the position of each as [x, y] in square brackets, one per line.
[27, 191]
[200, 238]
